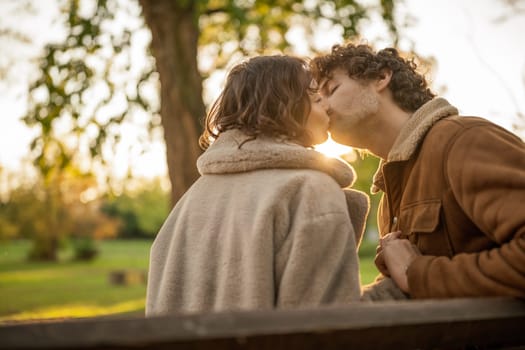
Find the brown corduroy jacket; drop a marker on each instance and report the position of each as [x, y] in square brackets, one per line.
[455, 187]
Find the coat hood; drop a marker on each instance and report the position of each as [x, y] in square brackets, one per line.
[236, 152]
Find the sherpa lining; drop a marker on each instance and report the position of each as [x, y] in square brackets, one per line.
[236, 152]
[413, 133]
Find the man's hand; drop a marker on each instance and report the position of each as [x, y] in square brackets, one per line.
[398, 254]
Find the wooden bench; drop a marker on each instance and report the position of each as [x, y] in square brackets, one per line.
[432, 324]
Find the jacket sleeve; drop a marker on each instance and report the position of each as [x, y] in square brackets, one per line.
[485, 168]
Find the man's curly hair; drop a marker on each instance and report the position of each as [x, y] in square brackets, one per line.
[409, 88]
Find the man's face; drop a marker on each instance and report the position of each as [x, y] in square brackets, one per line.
[350, 104]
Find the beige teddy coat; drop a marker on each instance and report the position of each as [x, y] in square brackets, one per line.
[267, 225]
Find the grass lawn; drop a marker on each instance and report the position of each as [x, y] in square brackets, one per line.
[71, 289]
[367, 252]
[30, 290]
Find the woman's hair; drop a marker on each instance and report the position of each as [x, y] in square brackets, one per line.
[266, 95]
[408, 87]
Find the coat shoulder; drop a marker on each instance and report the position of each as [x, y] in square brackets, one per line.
[465, 122]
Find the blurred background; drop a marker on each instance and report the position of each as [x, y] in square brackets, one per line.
[102, 103]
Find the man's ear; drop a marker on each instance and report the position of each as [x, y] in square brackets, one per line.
[383, 80]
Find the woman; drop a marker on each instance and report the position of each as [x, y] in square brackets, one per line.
[267, 224]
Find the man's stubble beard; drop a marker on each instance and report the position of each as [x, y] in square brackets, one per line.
[353, 129]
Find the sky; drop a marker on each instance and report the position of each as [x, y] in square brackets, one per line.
[480, 68]
[480, 60]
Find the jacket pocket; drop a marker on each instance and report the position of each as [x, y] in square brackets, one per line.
[421, 216]
[421, 223]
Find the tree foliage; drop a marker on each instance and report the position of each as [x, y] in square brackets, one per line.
[140, 212]
[88, 85]
[239, 28]
[101, 77]
[96, 78]
[54, 211]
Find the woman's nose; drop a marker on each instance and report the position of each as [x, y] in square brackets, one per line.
[325, 105]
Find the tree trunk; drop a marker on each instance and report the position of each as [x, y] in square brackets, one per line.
[175, 32]
[46, 240]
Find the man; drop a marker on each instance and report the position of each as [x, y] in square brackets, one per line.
[452, 214]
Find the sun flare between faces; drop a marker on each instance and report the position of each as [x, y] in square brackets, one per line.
[332, 149]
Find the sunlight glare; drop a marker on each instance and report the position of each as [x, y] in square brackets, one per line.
[79, 310]
[332, 149]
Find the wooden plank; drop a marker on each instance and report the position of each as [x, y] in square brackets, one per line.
[486, 322]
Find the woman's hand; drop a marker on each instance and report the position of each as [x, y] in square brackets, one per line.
[379, 261]
[398, 253]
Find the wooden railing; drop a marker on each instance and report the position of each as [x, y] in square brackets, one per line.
[432, 324]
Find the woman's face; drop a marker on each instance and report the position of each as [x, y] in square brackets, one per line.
[318, 121]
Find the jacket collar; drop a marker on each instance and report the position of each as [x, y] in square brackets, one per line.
[412, 135]
[235, 152]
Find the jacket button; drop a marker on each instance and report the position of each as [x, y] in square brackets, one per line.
[394, 221]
